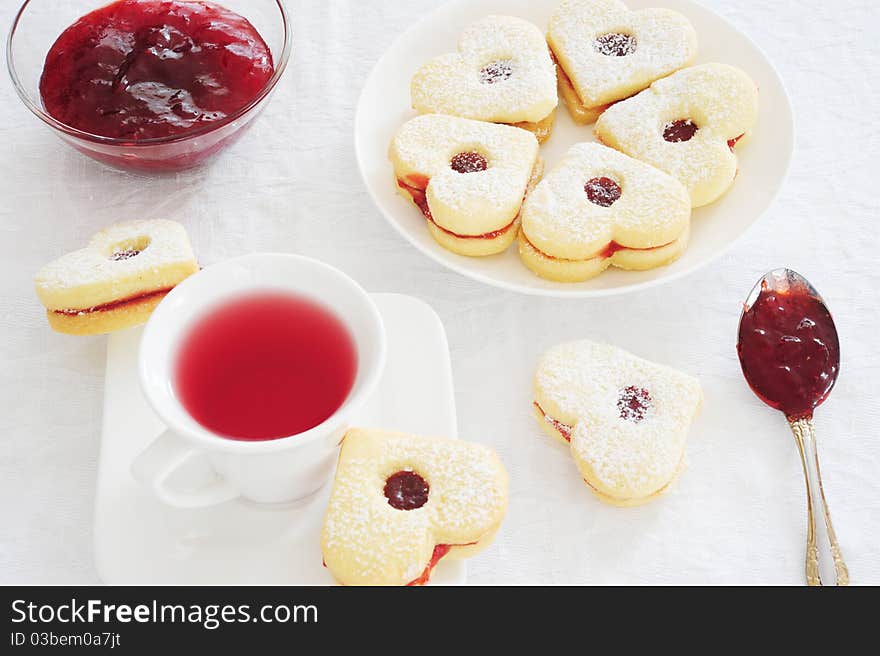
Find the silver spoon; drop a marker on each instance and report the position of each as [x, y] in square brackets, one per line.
[790, 356]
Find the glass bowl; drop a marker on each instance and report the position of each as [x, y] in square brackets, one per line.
[39, 23]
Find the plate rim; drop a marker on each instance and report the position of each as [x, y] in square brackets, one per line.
[561, 291]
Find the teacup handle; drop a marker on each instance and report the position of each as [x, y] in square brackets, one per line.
[157, 463]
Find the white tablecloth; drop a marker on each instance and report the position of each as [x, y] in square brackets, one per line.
[292, 185]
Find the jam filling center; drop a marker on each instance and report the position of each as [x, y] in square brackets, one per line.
[615, 44]
[680, 130]
[497, 71]
[602, 191]
[406, 490]
[634, 403]
[469, 162]
[125, 254]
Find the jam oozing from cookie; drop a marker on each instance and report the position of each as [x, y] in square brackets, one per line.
[610, 249]
[118, 304]
[731, 143]
[496, 72]
[615, 44]
[469, 162]
[562, 429]
[144, 69]
[406, 490]
[680, 130]
[417, 193]
[613, 247]
[789, 349]
[602, 191]
[440, 550]
[634, 403]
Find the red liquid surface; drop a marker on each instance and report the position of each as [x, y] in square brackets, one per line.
[265, 366]
[789, 351]
[143, 69]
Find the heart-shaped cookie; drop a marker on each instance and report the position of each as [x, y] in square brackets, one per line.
[501, 73]
[468, 177]
[606, 52]
[401, 502]
[688, 125]
[626, 419]
[117, 280]
[599, 207]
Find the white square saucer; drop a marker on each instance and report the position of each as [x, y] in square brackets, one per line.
[139, 540]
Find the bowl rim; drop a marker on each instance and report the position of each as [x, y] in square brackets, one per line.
[37, 110]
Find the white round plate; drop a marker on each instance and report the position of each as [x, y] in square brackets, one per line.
[764, 157]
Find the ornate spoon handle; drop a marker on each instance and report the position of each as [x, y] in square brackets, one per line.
[806, 441]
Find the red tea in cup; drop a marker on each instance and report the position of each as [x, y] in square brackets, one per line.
[265, 366]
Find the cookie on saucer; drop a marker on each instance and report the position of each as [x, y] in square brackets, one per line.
[400, 503]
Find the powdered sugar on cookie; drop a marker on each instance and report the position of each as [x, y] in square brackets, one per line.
[471, 203]
[609, 52]
[148, 247]
[559, 217]
[502, 73]
[367, 540]
[626, 456]
[717, 104]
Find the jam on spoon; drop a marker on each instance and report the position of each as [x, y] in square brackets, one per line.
[790, 356]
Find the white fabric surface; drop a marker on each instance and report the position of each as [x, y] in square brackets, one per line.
[292, 184]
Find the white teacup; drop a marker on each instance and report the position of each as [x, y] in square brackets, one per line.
[270, 471]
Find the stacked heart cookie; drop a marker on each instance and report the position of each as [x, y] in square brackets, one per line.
[402, 502]
[625, 419]
[688, 125]
[674, 126]
[599, 207]
[469, 178]
[607, 52]
[118, 279]
[502, 73]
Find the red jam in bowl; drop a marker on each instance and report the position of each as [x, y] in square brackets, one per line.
[146, 69]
